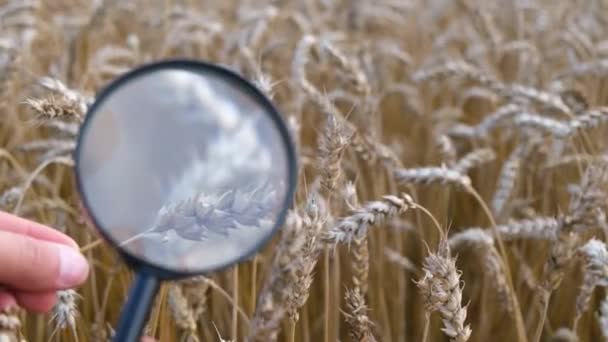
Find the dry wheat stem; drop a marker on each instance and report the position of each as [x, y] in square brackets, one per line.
[30, 179]
[220, 290]
[520, 327]
[6, 154]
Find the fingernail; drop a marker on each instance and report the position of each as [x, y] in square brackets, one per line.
[73, 267]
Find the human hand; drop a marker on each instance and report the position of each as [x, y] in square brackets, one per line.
[35, 262]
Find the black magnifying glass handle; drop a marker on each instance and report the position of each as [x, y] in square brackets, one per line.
[135, 312]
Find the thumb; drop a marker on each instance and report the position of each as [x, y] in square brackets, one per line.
[28, 264]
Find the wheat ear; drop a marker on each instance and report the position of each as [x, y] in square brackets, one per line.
[441, 289]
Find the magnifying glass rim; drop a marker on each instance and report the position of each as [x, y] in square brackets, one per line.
[197, 67]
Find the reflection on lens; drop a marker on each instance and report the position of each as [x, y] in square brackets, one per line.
[184, 169]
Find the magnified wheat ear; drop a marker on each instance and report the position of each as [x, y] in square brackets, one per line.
[201, 216]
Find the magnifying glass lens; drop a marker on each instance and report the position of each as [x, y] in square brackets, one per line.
[185, 169]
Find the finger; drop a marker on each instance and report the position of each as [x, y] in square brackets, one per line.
[7, 300]
[18, 225]
[147, 339]
[40, 302]
[35, 265]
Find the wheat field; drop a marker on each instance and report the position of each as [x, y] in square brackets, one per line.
[452, 165]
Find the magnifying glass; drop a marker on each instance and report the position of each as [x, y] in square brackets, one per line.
[186, 168]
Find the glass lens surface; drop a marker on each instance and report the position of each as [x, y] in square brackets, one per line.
[186, 170]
